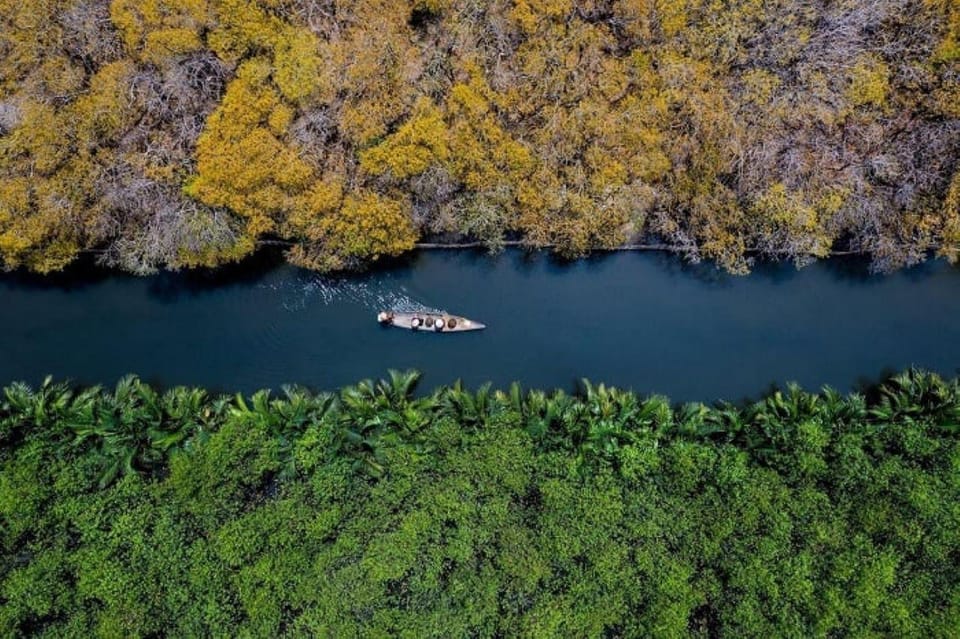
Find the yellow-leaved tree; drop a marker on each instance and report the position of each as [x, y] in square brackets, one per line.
[242, 162]
[364, 227]
[156, 31]
[950, 247]
[52, 161]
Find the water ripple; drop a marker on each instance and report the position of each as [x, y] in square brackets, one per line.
[374, 295]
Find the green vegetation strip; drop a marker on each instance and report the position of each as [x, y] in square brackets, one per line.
[373, 512]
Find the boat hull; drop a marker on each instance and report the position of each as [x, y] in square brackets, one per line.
[429, 322]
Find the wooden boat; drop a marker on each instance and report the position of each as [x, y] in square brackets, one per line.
[429, 322]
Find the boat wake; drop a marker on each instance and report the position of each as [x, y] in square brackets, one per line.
[328, 291]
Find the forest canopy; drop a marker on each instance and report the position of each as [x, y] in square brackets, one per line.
[379, 512]
[178, 133]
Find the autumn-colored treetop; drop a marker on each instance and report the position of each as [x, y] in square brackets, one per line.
[171, 133]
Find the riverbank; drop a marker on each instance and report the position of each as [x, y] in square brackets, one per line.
[475, 245]
[371, 511]
[523, 245]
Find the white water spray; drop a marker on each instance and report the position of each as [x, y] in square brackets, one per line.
[374, 295]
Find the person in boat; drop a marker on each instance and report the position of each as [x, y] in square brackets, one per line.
[433, 323]
[386, 317]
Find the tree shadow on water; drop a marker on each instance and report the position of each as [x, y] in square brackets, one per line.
[861, 269]
[678, 266]
[170, 286]
[598, 262]
[869, 385]
[82, 273]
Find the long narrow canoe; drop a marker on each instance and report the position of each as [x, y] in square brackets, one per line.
[429, 322]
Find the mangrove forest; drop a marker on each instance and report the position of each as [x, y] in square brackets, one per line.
[379, 511]
[177, 133]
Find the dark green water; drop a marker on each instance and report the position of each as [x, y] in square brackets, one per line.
[643, 321]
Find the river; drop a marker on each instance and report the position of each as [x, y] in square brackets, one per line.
[645, 321]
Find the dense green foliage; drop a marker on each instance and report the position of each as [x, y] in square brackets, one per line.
[373, 512]
[182, 132]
